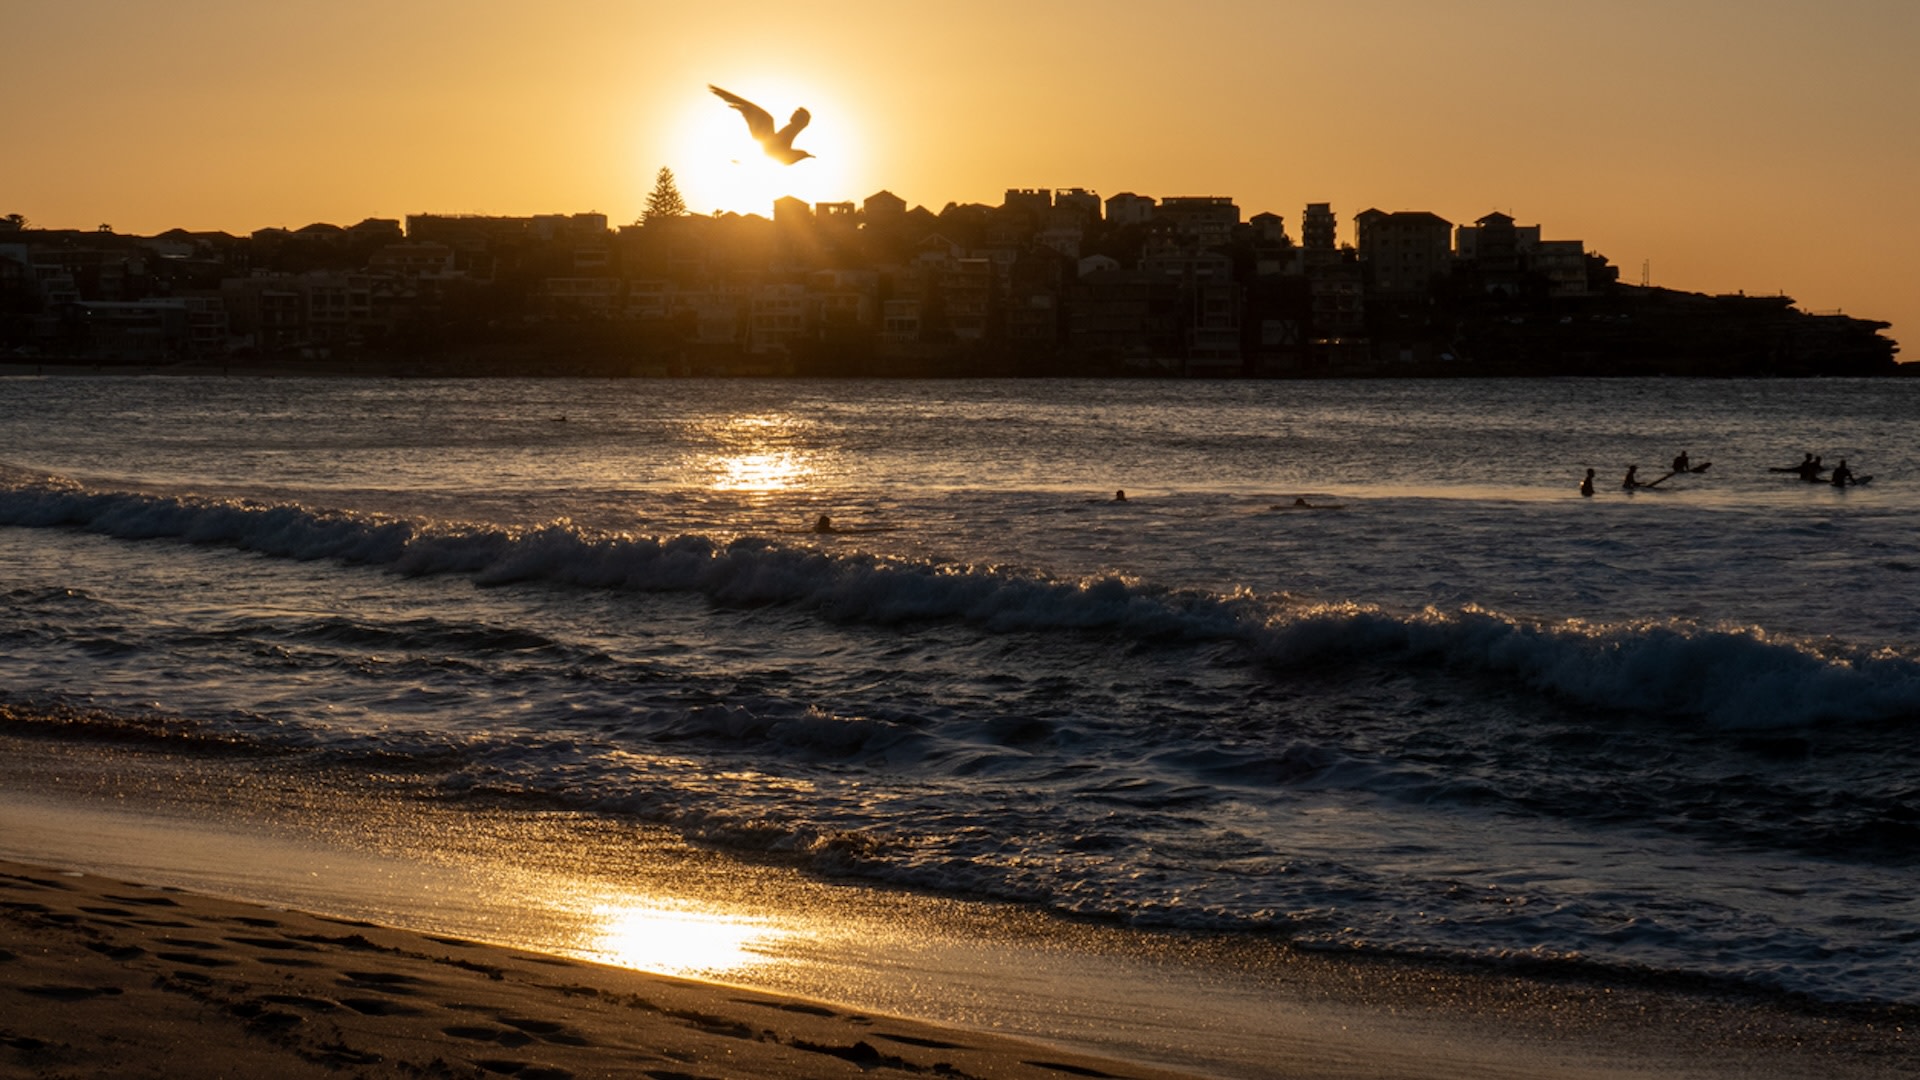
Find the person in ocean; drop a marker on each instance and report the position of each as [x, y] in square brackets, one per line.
[1842, 476]
[1632, 481]
[824, 525]
[1682, 464]
[1586, 486]
[1120, 496]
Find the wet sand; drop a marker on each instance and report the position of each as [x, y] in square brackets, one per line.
[162, 918]
[108, 978]
[105, 978]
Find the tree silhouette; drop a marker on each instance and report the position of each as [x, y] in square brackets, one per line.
[665, 202]
[13, 223]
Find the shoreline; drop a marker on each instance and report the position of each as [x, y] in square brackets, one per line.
[1129, 1003]
[110, 978]
[123, 979]
[412, 368]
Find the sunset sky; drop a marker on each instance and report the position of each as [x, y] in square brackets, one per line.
[1759, 145]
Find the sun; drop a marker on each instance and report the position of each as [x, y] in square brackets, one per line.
[718, 167]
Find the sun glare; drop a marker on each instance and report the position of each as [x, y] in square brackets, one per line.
[763, 452]
[679, 938]
[718, 167]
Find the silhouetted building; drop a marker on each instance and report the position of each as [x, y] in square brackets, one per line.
[788, 211]
[1127, 208]
[1404, 251]
[1209, 300]
[1492, 247]
[1319, 228]
[883, 208]
[1562, 264]
[1267, 227]
[414, 260]
[1127, 318]
[1045, 283]
[1080, 204]
[1030, 205]
[1206, 220]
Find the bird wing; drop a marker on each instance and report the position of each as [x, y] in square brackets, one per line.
[801, 118]
[759, 121]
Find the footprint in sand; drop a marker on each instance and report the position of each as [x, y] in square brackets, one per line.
[523, 1070]
[196, 959]
[478, 1033]
[379, 1007]
[1071, 1070]
[42, 882]
[259, 1016]
[550, 1030]
[116, 952]
[925, 1044]
[276, 944]
[789, 1006]
[56, 992]
[149, 901]
[301, 1001]
[385, 982]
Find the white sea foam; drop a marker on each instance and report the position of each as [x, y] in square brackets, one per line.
[1669, 732]
[1730, 677]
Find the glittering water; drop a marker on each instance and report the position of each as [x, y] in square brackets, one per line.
[1449, 707]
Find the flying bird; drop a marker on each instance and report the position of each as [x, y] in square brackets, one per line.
[777, 144]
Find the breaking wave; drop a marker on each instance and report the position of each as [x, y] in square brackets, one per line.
[1738, 677]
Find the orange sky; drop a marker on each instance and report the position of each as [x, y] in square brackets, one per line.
[1759, 145]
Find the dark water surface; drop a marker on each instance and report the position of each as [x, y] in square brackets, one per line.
[1449, 709]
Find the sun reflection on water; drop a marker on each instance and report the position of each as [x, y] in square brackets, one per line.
[672, 937]
[755, 453]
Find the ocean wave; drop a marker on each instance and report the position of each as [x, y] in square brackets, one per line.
[1730, 677]
[174, 733]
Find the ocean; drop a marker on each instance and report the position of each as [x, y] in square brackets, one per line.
[1351, 668]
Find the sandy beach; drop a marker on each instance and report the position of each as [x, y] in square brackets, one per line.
[1042, 784]
[105, 978]
[157, 920]
[108, 978]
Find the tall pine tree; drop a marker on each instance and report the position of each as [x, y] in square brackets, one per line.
[665, 202]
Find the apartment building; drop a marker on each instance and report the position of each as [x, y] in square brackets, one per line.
[1403, 252]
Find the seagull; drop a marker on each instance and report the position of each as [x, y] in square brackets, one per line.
[777, 144]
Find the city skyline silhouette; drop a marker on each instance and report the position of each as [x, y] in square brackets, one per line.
[1723, 147]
